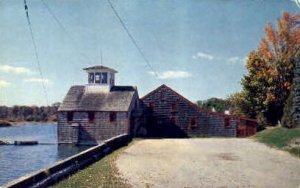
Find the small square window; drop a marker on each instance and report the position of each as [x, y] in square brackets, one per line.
[112, 116]
[174, 107]
[173, 120]
[70, 117]
[193, 123]
[91, 116]
[151, 106]
[226, 123]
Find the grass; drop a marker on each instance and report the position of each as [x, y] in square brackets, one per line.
[280, 138]
[103, 173]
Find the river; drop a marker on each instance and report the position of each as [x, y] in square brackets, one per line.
[16, 161]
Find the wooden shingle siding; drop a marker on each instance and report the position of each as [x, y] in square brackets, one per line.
[120, 101]
[81, 131]
[173, 108]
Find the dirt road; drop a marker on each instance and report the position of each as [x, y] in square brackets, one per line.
[207, 162]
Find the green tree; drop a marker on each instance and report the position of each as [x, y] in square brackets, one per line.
[220, 105]
[270, 70]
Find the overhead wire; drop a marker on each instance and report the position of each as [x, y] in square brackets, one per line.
[36, 52]
[132, 39]
[66, 32]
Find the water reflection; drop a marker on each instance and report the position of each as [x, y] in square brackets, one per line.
[64, 150]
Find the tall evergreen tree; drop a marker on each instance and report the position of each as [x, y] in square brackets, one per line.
[296, 93]
[291, 116]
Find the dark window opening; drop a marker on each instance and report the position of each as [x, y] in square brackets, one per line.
[91, 78]
[226, 123]
[70, 116]
[173, 120]
[193, 123]
[174, 107]
[112, 116]
[151, 106]
[91, 116]
[162, 97]
[104, 78]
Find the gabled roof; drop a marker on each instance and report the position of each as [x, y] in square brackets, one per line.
[100, 67]
[195, 106]
[118, 99]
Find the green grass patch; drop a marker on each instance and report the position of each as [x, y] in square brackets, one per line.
[103, 173]
[280, 138]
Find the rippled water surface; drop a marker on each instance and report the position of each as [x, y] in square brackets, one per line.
[16, 161]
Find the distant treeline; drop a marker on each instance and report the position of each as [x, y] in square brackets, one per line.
[29, 113]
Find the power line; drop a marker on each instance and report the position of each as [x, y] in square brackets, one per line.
[132, 39]
[36, 52]
[65, 31]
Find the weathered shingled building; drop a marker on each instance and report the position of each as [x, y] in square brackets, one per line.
[169, 114]
[97, 111]
[100, 110]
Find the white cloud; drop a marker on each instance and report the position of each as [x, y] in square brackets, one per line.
[233, 60]
[15, 70]
[171, 74]
[236, 60]
[37, 80]
[297, 3]
[201, 55]
[4, 83]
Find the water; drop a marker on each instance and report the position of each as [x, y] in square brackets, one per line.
[16, 161]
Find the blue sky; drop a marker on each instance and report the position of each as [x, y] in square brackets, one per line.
[196, 47]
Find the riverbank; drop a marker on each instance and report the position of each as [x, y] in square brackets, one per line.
[103, 173]
[5, 123]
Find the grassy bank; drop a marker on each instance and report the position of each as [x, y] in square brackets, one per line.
[103, 173]
[281, 138]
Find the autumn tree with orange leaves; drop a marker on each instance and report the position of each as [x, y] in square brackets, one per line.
[270, 70]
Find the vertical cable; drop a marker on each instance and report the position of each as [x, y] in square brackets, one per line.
[36, 52]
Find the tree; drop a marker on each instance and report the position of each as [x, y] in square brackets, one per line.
[238, 104]
[270, 69]
[296, 93]
[291, 116]
[220, 105]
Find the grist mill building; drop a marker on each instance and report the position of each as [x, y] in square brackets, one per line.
[99, 110]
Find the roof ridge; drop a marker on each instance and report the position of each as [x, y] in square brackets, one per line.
[163, 85]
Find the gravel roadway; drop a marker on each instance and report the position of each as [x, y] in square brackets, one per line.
[207, 162]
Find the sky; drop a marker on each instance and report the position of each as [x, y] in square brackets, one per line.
[196, 47]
